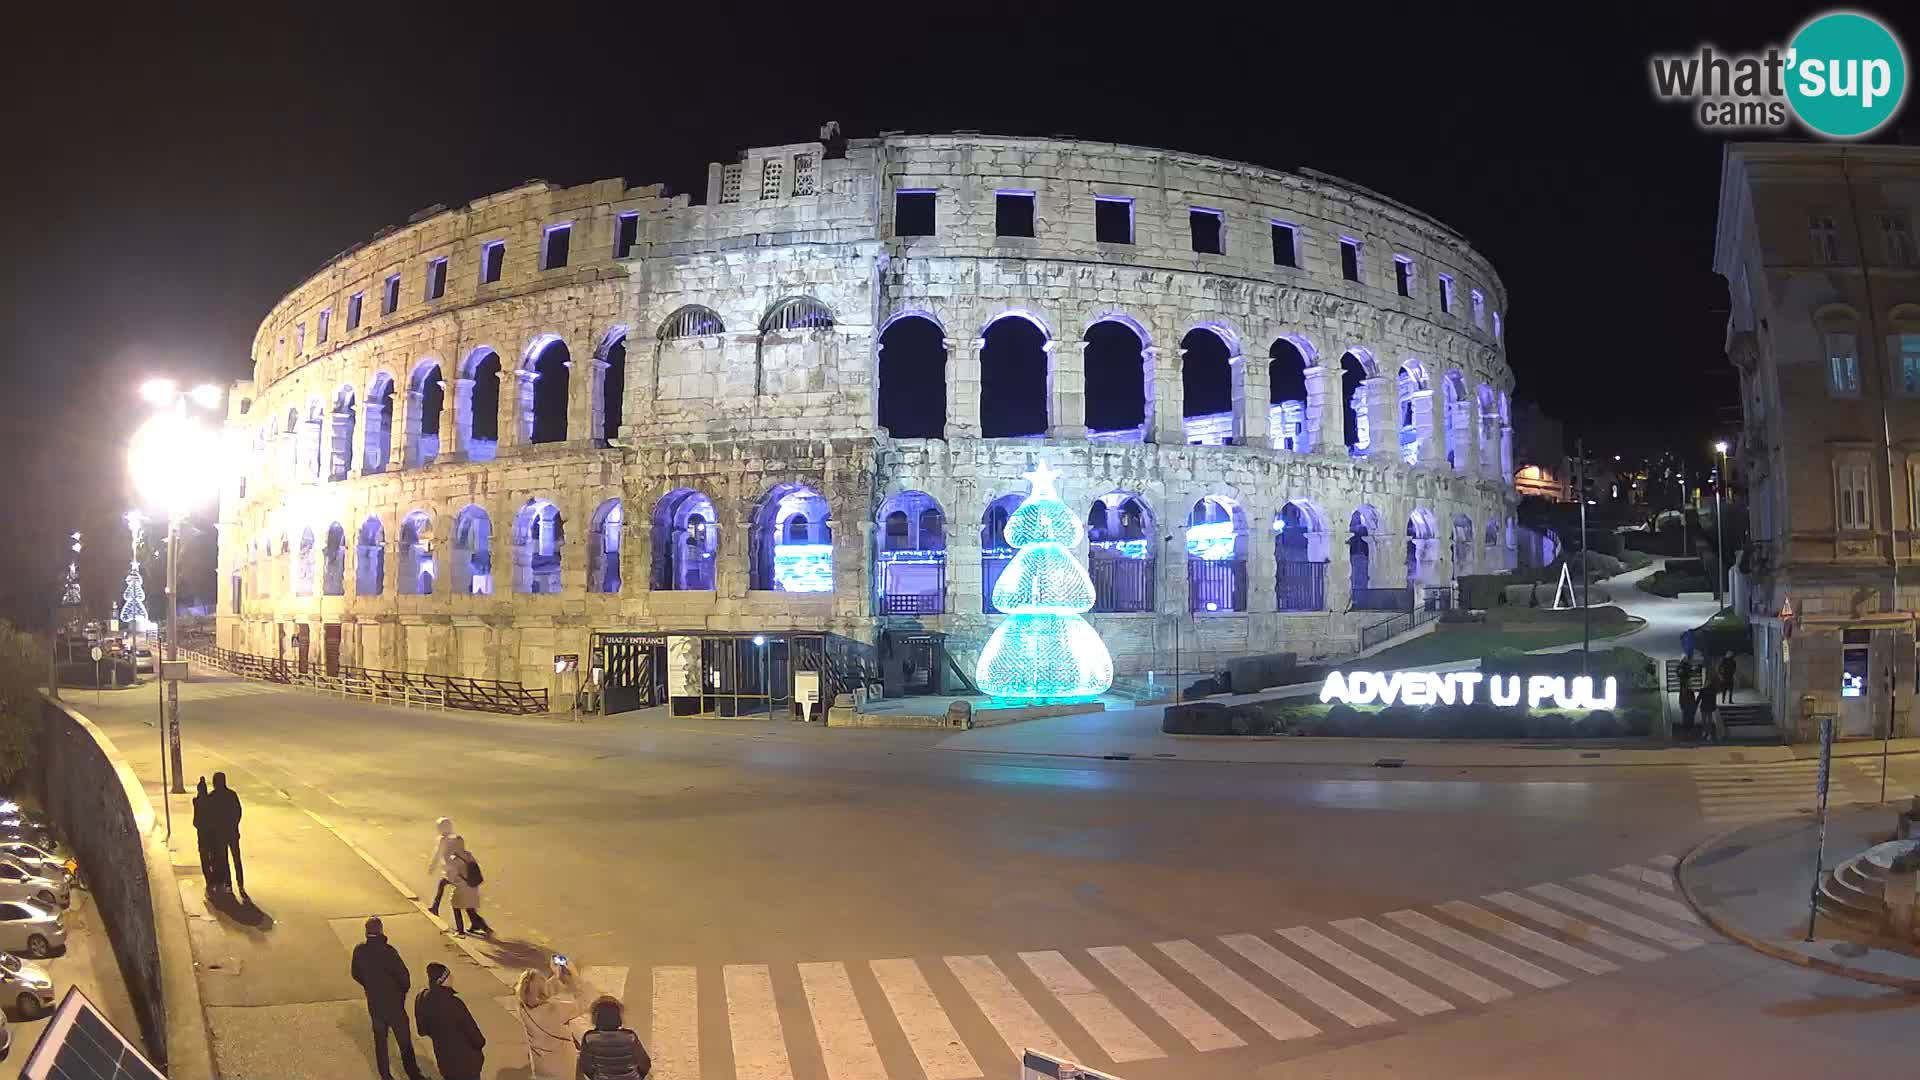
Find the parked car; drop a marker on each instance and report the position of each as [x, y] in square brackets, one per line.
[37, 860]
[19, 883]
[143, 660]
[6, 1039]
[13, 828]
[30, 930]
[26, 986]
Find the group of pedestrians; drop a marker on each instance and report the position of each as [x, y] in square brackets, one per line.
[216, 826]
[444, 1019]
[1699, 710]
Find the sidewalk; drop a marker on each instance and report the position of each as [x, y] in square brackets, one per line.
[1754, 885]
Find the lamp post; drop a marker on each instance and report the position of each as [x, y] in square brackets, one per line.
[1719, 528]
[171, 458]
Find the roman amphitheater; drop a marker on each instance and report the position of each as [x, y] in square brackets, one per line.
[713, 447]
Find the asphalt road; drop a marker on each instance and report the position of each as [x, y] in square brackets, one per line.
[770, 866]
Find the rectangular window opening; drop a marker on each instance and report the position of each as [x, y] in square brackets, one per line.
[1479, 302]
[353, 311]
[1824, 238]
[299, 338]
[437, 278]
[1207, 227]
[1843, 365]
[913, 213]
[1286, 245]
[556, 246]
[1910, 364]
[1446, 294]
[1403, 275]
[1013, 213]
[493, 259]
[1898, 238]
[390, 302]
[325, 322]
[626, 233]
[1350, 258]
[1112, 219]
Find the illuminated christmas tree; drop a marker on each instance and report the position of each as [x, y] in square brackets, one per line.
[133, 602]
[1044, 649]
[70, 588]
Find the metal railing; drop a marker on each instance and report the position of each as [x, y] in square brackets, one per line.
[1300, 586]
[1392, 627]
[408, 688]
[1121, 584]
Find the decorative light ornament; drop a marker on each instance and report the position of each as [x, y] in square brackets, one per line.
[1044, 649]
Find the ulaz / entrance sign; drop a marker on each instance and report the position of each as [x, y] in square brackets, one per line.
[1460, 687]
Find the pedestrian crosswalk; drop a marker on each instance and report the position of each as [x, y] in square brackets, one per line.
[1733, 795]
[1112, 1006]
[210, 691]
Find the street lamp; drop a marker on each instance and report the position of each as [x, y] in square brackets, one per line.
[173, 460]
[1719, 527]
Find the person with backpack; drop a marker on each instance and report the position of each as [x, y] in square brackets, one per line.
[463, 870]
[445, 1020]
[610, 1051]
[444, 841]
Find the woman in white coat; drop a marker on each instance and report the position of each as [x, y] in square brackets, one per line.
[552, 1009]
[466, 895]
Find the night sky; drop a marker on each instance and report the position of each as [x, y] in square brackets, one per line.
[166, 181]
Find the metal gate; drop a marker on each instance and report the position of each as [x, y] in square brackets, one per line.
[635, 667]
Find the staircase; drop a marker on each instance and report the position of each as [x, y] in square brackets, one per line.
[1854, 893]
[1750, 724]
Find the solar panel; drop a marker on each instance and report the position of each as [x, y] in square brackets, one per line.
[80, 1043]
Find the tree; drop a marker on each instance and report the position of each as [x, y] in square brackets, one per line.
[23, 669]
[1044, 649]
[133, 602]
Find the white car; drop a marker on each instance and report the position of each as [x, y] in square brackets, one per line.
[19, 883]
[37, 861]
[30, 929]
[26, 986]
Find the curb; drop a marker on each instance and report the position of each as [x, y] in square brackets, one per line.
[1768, 948]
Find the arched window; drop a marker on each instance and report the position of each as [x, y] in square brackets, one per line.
[1207, 380]
[426, 392]
[603, 548]
[1415, 409]
[1491, 559]
[378, 440]
[548, 371]
[796, 336]
[691, 321]
[684, 541]
[912, 397]
[796, 313]
[476, 404]
[291, 457]
[1118, 380]
[1015, 373]
[611, 393]
[1122, 552]
[370, 561]
[1287, 396]
[416, 555]
[1489, 433]
[912, 563]
[1300, 544]
[792, 542]
[538, 540]
[303, 565]
[1363, 533]
[1216, 556]
[313, 440]
[1454, 392]
[1462, 545]
[333, 578]
[1353, 396]
[995, 550]
[1423, 552]
[340, 445]
[286, 557]
[472, 562]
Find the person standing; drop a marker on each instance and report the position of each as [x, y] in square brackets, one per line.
[203, 834]
[378, 969]
[610, 1051]
[1710, 706]
[445, 1020]
[463, 869]
[445, 842]
[225, 803]
[1728, 670]
[1688, 702]
[547, 1006]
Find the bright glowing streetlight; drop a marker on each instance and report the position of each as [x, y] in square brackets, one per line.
[173, 460]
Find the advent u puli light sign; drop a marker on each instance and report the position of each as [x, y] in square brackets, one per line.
[1467, 687]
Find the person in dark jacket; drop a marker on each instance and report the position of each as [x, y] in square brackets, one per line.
[205, 833]
[1728, 670]
[1688, 702]
[609, 1051]
[224, 802]
[378, 969]
[443, 1018]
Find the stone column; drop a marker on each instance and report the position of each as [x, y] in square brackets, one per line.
[1433, 439]
[1250, 394]
[516, 406]
[1067, 390]
[1262, 565]
[1339, 569]
[963, 388]
[596, 428]
[1506, 454]
[580, 417]
[1383, 420]
[1325, 418]
[1169, 401]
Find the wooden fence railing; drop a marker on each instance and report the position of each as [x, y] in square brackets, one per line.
[409, 688]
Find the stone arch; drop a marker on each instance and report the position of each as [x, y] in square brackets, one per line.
[1358, 427]
[796, 313]
[1416, 409]
[472, 558]
[1301, 550]
[1212, 386]
[911, 564]
[426, 394]
[1454, 396]
[1123, 548]
[911, 377]
[1488, 407]
[333, 576]
[603, 547]
[313, 440]
[995, 550]
[340, 434]
[791, 544]
[1216, 540]
[1016, 376]
[1423, 547]
[691, 321]
[303, 564]
[1462, 545]
[685, 538]
[416, 555]
[1117, 367]
[539, 544]
[1363, 541]
[377, 437]
[1288, 418]
[609, 385]
[796, 336]
[1490, 557]
[370, 558]
[545, 372]
[476, 404]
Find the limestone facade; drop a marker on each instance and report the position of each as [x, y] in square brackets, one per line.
[739, 344]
